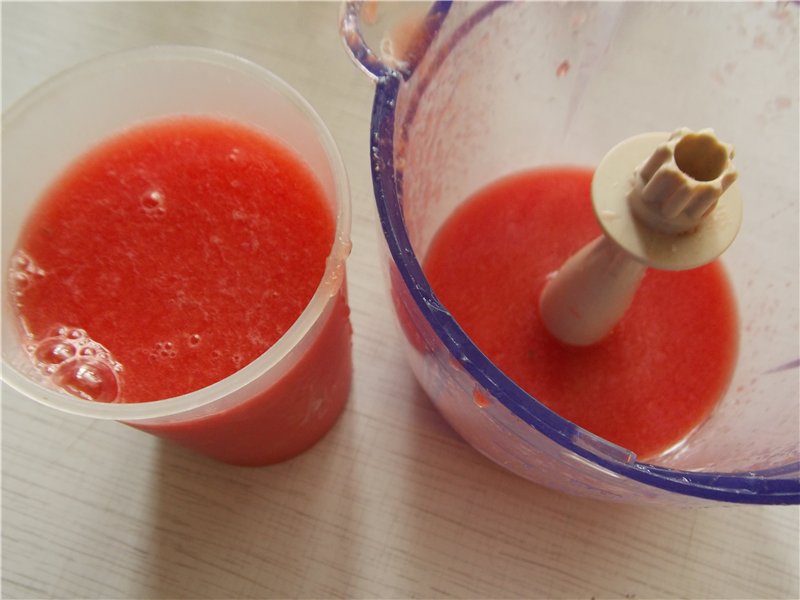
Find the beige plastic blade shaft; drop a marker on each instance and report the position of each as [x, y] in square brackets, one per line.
[663, 201]
[590, 293]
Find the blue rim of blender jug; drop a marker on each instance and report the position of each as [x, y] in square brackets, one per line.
[779, 485]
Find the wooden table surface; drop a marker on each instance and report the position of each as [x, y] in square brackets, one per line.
[392, 503]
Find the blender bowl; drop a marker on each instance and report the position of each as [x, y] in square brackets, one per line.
[473, 92]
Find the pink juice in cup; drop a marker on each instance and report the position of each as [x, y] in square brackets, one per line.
[172, 264]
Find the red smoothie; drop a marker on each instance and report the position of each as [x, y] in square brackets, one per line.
[175, 254]
[644, 387]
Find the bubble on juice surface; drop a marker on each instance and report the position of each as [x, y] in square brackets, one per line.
[51, 352]
[88, 351]
[234, 154]
[153, 203]
[88, 379]
[194, 339]
[77, 364]
[165, 349]
[22, 274]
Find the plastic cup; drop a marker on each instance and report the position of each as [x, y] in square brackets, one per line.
[493, 88]
[289, 397]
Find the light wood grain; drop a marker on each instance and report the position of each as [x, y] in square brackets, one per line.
[392, 503]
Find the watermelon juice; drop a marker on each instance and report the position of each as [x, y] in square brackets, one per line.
[645, 386]
[170, 257]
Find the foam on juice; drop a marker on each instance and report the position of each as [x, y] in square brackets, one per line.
[73, 361]
[23, 273]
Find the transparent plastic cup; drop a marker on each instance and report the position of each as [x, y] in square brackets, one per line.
[289, 397]
[491, 89]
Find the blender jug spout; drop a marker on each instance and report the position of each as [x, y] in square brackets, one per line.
[388, 39]
[663, 201]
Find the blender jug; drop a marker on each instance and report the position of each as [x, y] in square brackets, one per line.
[479, 91]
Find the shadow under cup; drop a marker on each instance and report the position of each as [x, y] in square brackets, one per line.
[289, 397]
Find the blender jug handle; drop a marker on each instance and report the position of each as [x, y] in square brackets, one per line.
[401, 49]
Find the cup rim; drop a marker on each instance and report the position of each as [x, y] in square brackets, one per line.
[327, 289]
